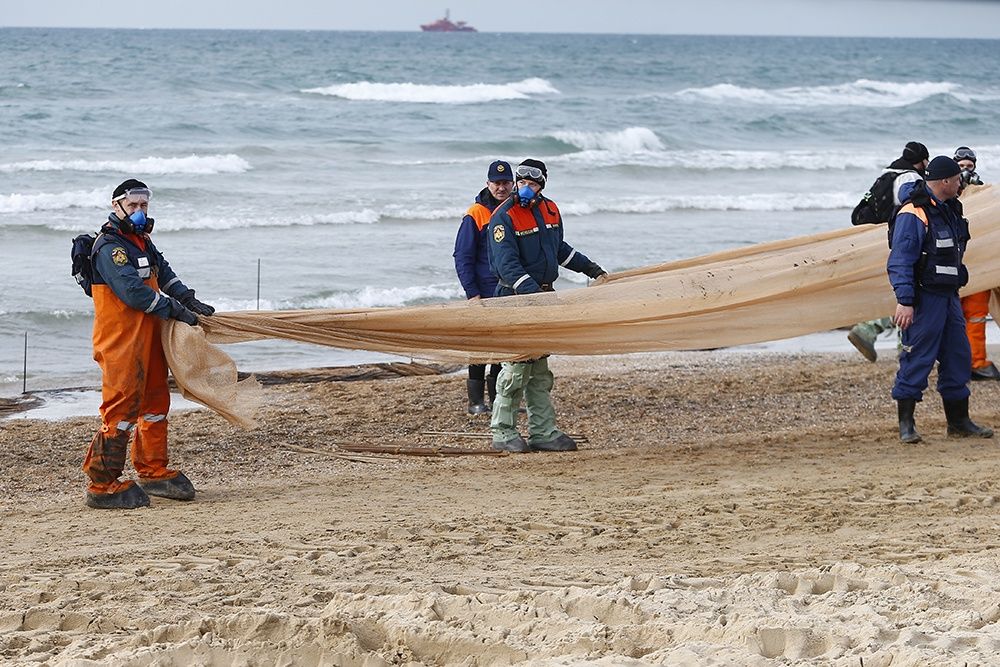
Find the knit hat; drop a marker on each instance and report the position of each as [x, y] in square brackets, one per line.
[965, 153]
[537, 164]
[499, 171]
[915, 152]
[130, 184]
[942, 167]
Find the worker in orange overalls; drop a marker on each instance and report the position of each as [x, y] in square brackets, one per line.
[134, 289]
[975, 307]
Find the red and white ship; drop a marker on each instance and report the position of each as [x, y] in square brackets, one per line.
[446, 25]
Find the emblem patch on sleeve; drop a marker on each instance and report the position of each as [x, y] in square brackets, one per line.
[119, 256]
[498, 233]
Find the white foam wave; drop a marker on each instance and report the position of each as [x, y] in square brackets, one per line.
[373, 297]
[42, 201]
[863, 93]
[629, 140]
[431, 94]
[734, 160]
[697, 159]
[365, 216]
[778, 201]
[193, 164]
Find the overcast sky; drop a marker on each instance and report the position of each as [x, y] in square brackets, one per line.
[890, 18]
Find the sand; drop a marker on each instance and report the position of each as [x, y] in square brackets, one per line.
[726, 510]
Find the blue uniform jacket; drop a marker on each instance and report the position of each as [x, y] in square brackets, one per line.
[127, 280]
[527, 247]
[472, 261]
[922, 260]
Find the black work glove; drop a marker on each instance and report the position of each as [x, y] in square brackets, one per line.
[187, 317]
[195, 306]
[594, 271]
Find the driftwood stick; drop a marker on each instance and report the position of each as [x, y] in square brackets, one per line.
[415, 450]
[335, 455]
[579, 437]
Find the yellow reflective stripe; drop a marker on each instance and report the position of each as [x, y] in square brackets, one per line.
[918, 211]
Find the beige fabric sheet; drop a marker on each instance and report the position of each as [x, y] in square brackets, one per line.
[747, 295]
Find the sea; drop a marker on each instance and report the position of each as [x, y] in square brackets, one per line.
[314, 169]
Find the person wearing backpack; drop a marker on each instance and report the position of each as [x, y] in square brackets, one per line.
[925, 268]
[134, 289]
[876, 207]
[976, 307]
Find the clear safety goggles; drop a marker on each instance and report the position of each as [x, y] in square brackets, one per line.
[529, 172]
[965, 154]
[135, 196]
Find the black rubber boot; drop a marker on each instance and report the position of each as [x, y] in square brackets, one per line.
[491, 388]
[959, 424]
[907, 426]
[475, 389]
[562, 443]
[175, 488]
[126, 499]
[515, 444]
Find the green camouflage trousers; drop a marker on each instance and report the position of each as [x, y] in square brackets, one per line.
[534, 381]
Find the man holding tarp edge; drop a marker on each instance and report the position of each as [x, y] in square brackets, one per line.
[526, 249]
[928, 237]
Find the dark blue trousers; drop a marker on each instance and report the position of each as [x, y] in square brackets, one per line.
[937, 334]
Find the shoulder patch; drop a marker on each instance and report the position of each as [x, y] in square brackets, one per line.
[498, 233]
[119, 256]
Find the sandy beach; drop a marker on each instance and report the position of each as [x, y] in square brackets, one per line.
[725, 510]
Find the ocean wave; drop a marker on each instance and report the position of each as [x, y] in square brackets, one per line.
[28, 203]
[777, 201]
[364, 216]
[192, 164]
[627, 141]
[374, 297]
[862, 93]
[431, 94]
[706, 159]
[366, 297]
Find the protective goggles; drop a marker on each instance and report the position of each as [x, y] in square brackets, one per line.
[529, 172]
[965, 154]
[135, 196]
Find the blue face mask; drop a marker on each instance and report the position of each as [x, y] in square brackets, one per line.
[138, 221]
[525, 194]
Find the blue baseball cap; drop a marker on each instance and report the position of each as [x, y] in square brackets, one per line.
[499, 171]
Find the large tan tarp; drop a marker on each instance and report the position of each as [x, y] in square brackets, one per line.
[747, 295]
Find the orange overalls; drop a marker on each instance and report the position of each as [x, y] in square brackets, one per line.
[976, 307]
[136, 397]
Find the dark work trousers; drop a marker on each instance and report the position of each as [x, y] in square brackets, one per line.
[937, 334]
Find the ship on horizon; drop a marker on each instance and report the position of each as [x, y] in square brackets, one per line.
[446, 25]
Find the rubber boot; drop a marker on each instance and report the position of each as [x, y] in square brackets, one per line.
[128, 498]
[987, 372]
[491, 389]
[561, 443]
[175, 488]
[475, 390]
[862, 336]
[907, 426]
[959, 424]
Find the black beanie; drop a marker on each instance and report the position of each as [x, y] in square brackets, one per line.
[130, 184]
[540, 165]
[942, 167]
[915, 152]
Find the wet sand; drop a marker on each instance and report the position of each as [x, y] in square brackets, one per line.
[726, 509]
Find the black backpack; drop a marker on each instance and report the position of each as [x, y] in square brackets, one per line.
[877, 204]
[82, 256]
